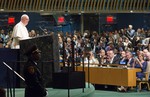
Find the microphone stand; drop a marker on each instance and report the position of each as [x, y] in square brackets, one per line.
[83, 67]
[88, 71]
[8, 84]
[73, 61]
[14, 71]
[64, 53]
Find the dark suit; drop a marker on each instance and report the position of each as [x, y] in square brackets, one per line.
[131, 62]
[116, 60]
[33, 80]
[123, 61]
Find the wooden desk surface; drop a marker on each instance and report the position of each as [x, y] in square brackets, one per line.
[111, 76]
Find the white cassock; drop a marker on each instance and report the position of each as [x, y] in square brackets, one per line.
[20, 32]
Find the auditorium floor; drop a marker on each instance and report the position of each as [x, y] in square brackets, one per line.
[94, 93]
[104, 93]
[111, 91]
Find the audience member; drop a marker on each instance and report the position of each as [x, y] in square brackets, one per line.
[102, 57]
[130, 59]
[112, 58]
[89, 58]
[123, 60]
[32, 33]
[130, 32]
[142, 64]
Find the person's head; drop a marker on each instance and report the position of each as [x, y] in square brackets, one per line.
[91, 53]
[2, 31]
[110, 54]
[148, 57]
[140, 57]
[123, 54]
[33, 53]
[25, 19]
[128, 55]
[68, 40]
[139, 30]
[60, 40]
[126, 40]
[145, 52]
[33, 33]
[102, 52]
[139, 52]
[2, 92]
[130, 26]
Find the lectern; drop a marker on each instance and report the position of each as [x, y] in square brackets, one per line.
[49, 55]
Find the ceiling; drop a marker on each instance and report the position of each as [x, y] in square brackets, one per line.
[75, 6]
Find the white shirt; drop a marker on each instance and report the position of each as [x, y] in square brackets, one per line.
[20, 32]
[92, 61]
[112, 59]
[145, 41]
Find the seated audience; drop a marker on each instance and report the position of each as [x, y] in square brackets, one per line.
[130, 63]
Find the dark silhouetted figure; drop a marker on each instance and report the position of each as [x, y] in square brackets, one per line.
[33, 78]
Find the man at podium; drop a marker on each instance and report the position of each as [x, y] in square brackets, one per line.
[20, 32]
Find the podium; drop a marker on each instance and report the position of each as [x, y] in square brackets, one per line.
[9, 56]
[49, 62]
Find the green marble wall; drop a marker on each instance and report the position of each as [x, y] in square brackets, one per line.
[49, 57]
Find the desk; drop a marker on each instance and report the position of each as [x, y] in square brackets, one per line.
[111, 76]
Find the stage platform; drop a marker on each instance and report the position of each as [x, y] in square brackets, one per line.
[88, 92]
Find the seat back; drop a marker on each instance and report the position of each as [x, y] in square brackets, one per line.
[148, 70]
[146, 79]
